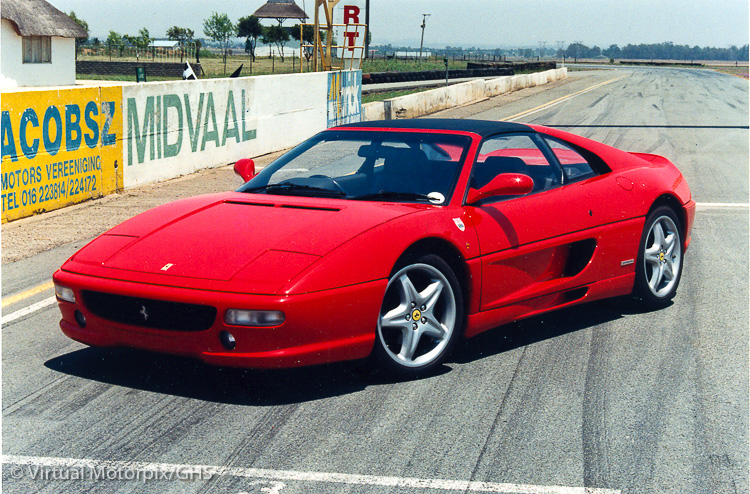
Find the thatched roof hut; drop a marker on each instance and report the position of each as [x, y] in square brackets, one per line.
[39, 18]
[280, 10]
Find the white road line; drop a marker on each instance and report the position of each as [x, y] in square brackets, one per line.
[723, 205]
[28, 310]
[291, 475]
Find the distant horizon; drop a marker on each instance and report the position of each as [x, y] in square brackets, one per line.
[292, 44]
[484, 24]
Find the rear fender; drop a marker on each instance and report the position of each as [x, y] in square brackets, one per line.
[653, 158]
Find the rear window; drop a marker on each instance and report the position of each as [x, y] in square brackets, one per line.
[577, 164]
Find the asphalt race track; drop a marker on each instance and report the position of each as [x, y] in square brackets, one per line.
[601, 396]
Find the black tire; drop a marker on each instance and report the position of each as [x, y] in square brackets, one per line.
[421, 317]
[660, 259]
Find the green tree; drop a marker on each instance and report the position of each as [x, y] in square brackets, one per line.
[182, 35]
[114, 38]
[249, 28]
[140, 42]
[84, 25]
[276, 35]
[144, 37]
[576, 51]
[612, 52]
[308, 38]
[219, 28]
[115, 42]
[308, 34]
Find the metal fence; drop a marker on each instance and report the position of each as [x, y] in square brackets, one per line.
[132, 53]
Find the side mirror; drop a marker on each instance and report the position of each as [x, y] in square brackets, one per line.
[245, 168]
[505, 184]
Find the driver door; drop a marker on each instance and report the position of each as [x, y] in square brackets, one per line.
[523, 240]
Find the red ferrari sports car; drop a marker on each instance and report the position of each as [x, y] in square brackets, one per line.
[386, 239]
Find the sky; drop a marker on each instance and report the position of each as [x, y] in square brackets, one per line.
[466, 23]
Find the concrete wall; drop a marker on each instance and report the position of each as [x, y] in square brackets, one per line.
[61, 71]
[176, 128]
[373, 111]
[428, 102]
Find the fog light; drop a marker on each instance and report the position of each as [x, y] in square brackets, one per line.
[80, 319]
[241, 317]
[227, 340]
[65, 293]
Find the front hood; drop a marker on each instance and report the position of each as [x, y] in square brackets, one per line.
[267, 239]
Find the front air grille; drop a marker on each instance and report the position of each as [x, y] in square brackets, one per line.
[148, 313]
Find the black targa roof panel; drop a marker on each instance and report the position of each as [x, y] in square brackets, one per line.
[480, 127]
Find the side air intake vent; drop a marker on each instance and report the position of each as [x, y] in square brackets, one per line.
[579, 257]
[576, 294]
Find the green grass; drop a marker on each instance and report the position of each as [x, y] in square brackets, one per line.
[394, 65]
[370, 98]
[739, 71]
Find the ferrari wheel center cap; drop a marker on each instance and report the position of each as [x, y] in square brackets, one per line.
[416, 315]
[661, 256]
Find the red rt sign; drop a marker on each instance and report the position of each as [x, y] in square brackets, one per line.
[351, 16]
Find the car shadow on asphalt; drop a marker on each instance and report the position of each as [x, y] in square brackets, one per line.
[179, 376]
[190, 378]
[546, 326]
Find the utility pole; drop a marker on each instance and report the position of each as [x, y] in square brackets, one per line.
[421, 43]
[367, 29]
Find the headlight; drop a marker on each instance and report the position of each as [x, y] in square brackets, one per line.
[241, 317]
[65, 293]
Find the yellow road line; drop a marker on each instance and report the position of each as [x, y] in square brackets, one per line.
[28, 293]
[561, 99]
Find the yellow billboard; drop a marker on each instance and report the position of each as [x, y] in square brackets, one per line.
[59, 147]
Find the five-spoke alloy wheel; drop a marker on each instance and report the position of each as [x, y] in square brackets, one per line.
[659, 265]
[421, 316]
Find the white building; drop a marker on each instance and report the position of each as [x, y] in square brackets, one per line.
[165, 43]
[37, 47]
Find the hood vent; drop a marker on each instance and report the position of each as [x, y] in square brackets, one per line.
[286, 206]
[310, 208]
[262, 204]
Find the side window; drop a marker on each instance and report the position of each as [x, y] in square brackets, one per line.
[574, 166]
[36, 49]
[514, 153]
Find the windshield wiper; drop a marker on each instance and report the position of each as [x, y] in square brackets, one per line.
[290, 188]
[385, 194]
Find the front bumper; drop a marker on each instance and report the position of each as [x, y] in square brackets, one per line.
[320, 327]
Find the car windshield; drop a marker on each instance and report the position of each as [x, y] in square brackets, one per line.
[367, 165]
